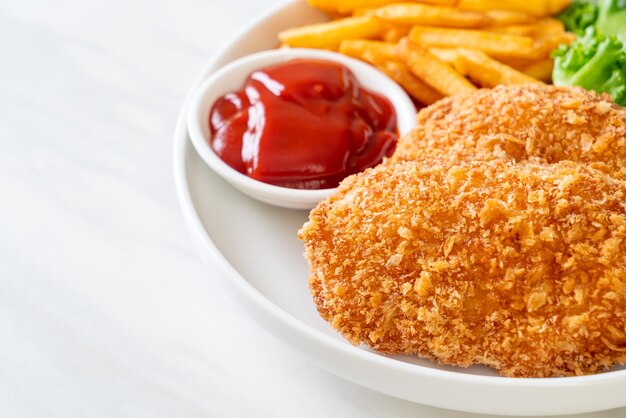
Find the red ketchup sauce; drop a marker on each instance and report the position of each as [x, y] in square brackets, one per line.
[303, 124]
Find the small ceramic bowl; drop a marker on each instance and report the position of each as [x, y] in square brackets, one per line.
[233, 76]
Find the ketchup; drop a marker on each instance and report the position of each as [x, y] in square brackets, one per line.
[303, 124]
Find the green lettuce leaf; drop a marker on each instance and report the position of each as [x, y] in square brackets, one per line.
[612, 18]
[594, 61]
[579, 16]
[608, 16]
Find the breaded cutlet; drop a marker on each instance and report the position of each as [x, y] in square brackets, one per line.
[539, 123]
[521, 267]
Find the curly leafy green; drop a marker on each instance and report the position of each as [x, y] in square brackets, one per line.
[612, 18]
[594, 61]
[597, 59]
[608, 16]
[579, 16]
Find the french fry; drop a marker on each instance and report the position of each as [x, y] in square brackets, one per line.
[546, 44]
[423, 14]
[557, 6]
[401, 74]
[357, 48]
[326, 5]
[493, 44]
[548, 26]
[395, 33]
[519, 63]
[334, 15]
[433, 48]
[509, 17]
[349, 6]
[383, 55]
[488, 72]
[447, 55]
[542, 28]
[330, 34]
[519, 30]
[448, 3]
[436, 73]
[541, 70]
[534, 7]
[367, 11]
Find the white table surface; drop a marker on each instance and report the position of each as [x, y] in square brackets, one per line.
[106, 309]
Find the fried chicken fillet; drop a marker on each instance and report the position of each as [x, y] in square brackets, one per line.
[540, 123]
[521, 267]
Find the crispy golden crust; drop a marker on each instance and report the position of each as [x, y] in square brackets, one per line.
[531, 122]
[521, 267]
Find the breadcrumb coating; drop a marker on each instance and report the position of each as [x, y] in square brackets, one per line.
[521, 267]
[539, 123]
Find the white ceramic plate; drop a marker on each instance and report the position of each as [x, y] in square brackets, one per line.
[263, 269]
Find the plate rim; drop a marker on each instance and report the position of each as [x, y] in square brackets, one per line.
[286, 321]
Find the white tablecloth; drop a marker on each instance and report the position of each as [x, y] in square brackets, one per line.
[106, 310]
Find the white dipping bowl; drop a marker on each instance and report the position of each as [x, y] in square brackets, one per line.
[232, 77]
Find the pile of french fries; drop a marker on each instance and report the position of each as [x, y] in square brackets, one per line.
[438, 48]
